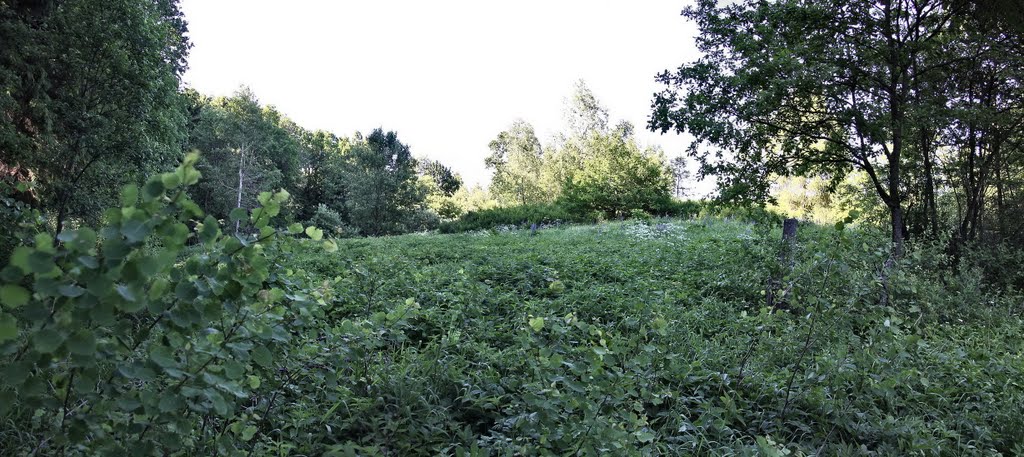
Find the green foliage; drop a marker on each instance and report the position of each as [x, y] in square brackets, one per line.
[919, 97]
[684, 209]
[516, 216]
[90, 97]
[384, 189]
[324, 177]
[517, 159]
[444, 180]
[332, 222]
[122, 340]
[624, 338]
[617, 177]
[246, 150]
[653, 339]
[17, 214]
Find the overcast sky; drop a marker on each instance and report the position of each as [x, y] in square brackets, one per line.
[448, 76]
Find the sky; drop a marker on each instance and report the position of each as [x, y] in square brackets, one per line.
[446, 75]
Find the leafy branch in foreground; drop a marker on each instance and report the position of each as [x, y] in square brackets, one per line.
[127, 339]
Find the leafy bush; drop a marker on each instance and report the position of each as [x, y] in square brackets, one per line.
[332, 222]
[640, 215]
[1000, 263]
[616, 178]
[420, 220]
[21, 221]
[746, 212]
[683, 209]
[517, 216]
[122, 341]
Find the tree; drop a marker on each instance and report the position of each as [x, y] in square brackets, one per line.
[808, 88]
[384, 192]
[90, 96]
[680, 176]
[618, 177]
[517, 159]
[446, 181]
[584, 114]
[324, 157]
[246, 150]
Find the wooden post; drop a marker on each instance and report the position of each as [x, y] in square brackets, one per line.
[786, 260]
[788, 241]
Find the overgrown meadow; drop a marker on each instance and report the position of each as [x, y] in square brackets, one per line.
[179, 337]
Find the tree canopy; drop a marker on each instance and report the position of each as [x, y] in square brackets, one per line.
[822, 88]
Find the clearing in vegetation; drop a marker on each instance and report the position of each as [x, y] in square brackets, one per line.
[653, 339]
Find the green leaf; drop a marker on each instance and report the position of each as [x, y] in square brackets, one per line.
[254, 382]
[314, 233]
[248, 433]
[125, 292]
[295, 228]
[83, 342]
[163, 357]
[11, 273]
[19, 258]
[239, 214]
[135, 231]
[170, 402]
[8, 327]
[330, 246]
[153, 189]
[209, 230]
[263, 198]
[71, 290]
[13, 296]
[262, 356]
[537, 323]
[85, 239]
[170, 180]
[644, 436]
[14, 373]
[218, 402]
[40, 262]
[281, 196]
[89, 262]
[47, 340]
[158, 288]
[44, 242]
[129, 195]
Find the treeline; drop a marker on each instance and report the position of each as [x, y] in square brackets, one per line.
[922, 101]
[368, 185]
[91, 99]
[592, 171]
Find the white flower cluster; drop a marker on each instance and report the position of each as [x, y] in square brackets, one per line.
[668, 231]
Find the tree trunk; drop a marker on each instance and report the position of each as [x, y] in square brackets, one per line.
[896, 218]
[931, 210]
[241, 181]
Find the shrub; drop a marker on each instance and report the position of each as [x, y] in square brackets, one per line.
[420, 220]
[122, 341]
[21, 221]
[749, 213]
[684, 209]
[640, 215]
[330, 221]
[517, 216]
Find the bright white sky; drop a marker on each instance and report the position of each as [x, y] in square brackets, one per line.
[448, 76]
